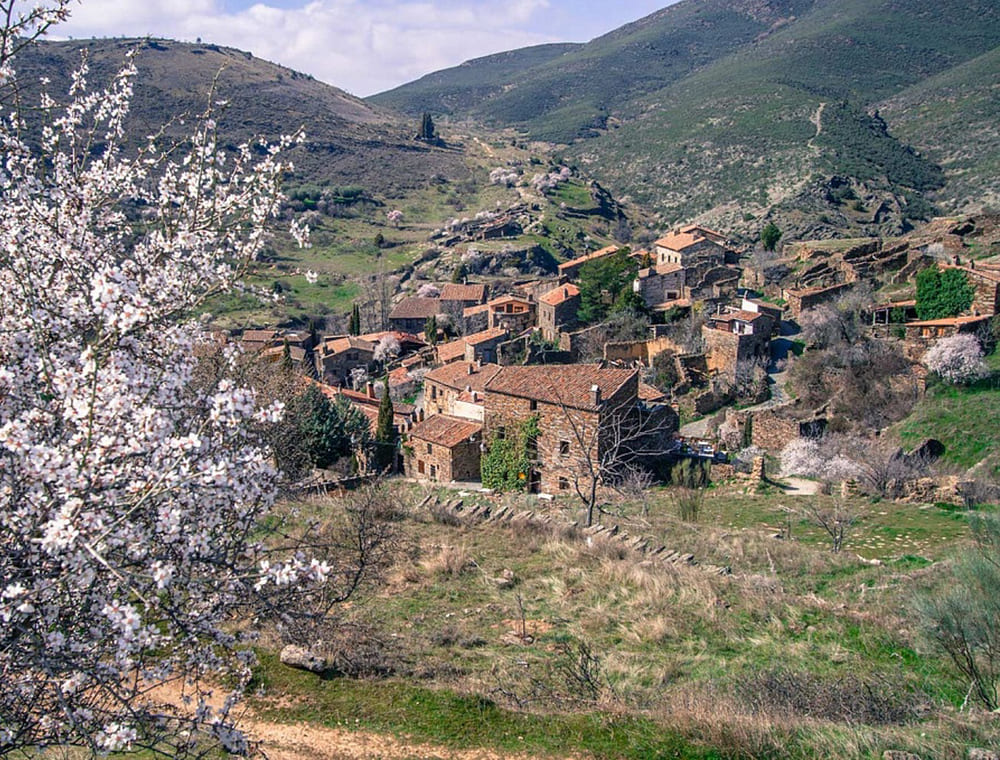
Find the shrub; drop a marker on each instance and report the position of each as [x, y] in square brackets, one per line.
[957, 359]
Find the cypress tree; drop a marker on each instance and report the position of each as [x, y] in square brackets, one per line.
[386, 437]
[286, 357]
[354, 324]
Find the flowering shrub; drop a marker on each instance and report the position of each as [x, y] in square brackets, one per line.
[958, 359]
[809, 458]
[395, 216]
[504, 176]
[130, 493]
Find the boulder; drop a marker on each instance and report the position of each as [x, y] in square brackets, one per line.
[977, 753]
[898, 754]
[301, 658]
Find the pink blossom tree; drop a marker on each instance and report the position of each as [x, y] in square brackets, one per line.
[958, 359]
[395, 217]
[131, 494]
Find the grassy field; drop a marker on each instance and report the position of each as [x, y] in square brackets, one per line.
[532, 638]
[963, 419]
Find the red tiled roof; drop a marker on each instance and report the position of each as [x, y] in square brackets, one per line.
[661, 269]
[569, 385]
[648, 392]
[485, 335]
[470, 311]
[402, 337]
[341, 343]
[950, 322]
[509, 299]
[458, 292]
[445, 430]
[460, 375]
[560, 295]
[450, 351]
[678, 241]
[607, 251]
[740, 315]
[416, 307]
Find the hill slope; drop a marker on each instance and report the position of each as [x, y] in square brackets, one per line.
[709, 105]
[350, 142]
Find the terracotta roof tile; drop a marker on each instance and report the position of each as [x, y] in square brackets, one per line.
[450, 351]
[560, 295]
[569, 384]
[485, 335]
[950, 322]
[462, 375]
[457, 292]
[470, 311]
[416, 307]
[445, 430]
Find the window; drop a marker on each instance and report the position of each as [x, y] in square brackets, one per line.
[563, 484]
[434, 472]
[434, 392]
[564, 448]
[420, 466]
[430, 449]
[533, 405]
[501, 433]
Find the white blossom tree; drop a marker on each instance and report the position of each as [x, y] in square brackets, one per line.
[957, 359]
[131, 495]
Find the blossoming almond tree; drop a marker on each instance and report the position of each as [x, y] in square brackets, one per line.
[130, 496]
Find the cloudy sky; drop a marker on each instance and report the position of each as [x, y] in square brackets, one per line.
[363, 46]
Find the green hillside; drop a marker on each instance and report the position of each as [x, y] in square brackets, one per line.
[961, 101]
[459, 89]
[748, 109]
[350, 142]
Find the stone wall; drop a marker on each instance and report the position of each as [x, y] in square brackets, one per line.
[425, 460]
[724, 350]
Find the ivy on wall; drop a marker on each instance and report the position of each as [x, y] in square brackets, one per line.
[506, 464]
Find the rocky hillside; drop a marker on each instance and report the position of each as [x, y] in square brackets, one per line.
[350, 142]
[829, 116]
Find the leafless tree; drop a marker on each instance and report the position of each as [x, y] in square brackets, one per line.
[836, 521]
[606, 448]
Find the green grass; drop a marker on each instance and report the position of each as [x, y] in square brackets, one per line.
[962, 418]
[453, 720]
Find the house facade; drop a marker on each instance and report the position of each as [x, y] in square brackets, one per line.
[457, 389]
[511, 313]
[444, 449]
[557, 310]
[577, 407]
[411, 314]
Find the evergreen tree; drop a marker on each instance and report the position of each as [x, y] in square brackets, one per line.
[431, 330]
[426, 128]
[606, 287]
[354, 324]
[460, 272]
[286, 357]
[943, 293]
[770, 235]
[386, 437]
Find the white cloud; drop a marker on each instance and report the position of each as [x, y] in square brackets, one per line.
[363, 46]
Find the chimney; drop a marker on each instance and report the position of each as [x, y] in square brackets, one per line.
[370, 389]
[420, 414]
[475, 397]
[595, 395]
[472, 368]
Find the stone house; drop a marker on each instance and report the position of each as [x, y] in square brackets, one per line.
[457, 389]
[921, 335]
[474, 318]
[660, 285]
[336, 356]
[736, 337]
[443, 449]
[255, 341]
[455, 297]
[691, 246]
[512, 313]
[411, 314]
[404, 416]
[801, 299]
[478, 347]
[578, 407]
[557, 310]
[570, 270]
[762, 307]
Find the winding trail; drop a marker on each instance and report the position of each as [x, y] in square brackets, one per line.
[817, 120]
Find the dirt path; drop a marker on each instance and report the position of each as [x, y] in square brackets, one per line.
[817, 120]
[800, 487]
[304, 741]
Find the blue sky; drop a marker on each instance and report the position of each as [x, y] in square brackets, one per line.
[362, 46]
